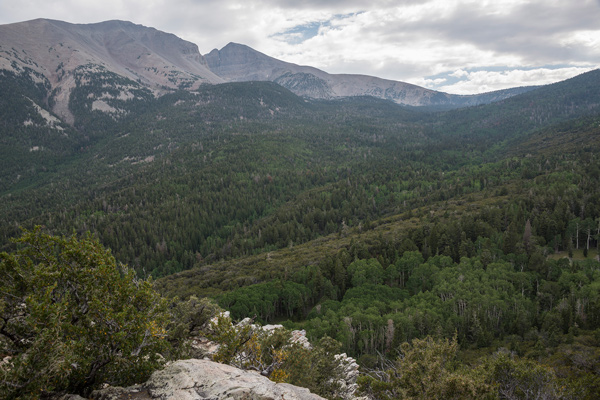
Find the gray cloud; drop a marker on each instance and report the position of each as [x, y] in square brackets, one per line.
[530, 31]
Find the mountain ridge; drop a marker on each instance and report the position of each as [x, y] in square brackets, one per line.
[62, 55]
[238, 62]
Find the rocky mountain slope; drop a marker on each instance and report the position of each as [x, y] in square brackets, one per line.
[237, 63]
[120, 61]
[53, 52]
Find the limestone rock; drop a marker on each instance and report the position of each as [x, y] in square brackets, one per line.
[300, 338]
[203, 379]
[202, 347]
[119, 393]
[71, 397]
[347, 386]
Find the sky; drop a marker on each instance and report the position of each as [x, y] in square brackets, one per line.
[454, 46]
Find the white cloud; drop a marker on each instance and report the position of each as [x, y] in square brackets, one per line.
[459, 73]
[432, 83]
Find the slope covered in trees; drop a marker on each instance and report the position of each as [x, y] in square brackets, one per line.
[240, 169]
[357, 219]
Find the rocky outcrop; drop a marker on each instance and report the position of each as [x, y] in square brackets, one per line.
[203, 379]
[347, 386]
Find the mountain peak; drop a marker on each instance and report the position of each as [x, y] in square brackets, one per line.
[237, 62]
[55, 49]
[234, 45]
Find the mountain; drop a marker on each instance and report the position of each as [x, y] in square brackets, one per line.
[235, 170]
[346, 215]
[239, 63]
[62, 56]
[118, 61]
[172, 179]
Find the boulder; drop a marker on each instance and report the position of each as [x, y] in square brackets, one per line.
[203, 379]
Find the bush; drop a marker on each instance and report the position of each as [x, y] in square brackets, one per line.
[518, 378]
[189, 318]
[427, 369]
[275, 355]
[72, 319]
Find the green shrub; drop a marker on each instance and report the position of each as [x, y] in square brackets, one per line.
[427, 369]
[72, 319]
[275, 355]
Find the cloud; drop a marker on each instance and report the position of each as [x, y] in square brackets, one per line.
[299, 33]
[416, 41]
[486, 81]
[410, 42]
[459, 73]
[533, 32]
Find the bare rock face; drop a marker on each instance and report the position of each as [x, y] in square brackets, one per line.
[203, 379]
[51, 52]
[55, 48]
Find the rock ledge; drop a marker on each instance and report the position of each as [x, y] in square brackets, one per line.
[202, 379]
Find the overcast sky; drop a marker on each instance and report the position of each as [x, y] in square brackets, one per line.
[456, 46]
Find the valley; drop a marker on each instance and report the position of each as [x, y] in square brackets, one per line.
[368, 219]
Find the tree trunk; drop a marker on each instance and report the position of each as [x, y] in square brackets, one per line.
[589, 234]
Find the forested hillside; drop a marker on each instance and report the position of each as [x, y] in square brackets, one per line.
[359, 219]
[239, 169]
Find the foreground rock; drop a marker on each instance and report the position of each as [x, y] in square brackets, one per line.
[203, 379]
